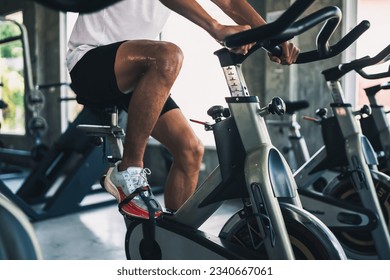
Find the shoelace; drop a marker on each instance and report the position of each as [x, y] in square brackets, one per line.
[142, 180]
[137, 180]
[144, 172]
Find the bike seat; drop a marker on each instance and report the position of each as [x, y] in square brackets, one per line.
[99, 108]
[108, 106]
[294, 106]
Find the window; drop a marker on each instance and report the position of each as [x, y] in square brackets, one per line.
[12, 118]
[376, 38]
[201, 83]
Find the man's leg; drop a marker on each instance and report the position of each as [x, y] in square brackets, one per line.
[175, 133]
[149, 69]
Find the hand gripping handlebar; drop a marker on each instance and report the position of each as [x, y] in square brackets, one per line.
[286, 27]
[265, 32]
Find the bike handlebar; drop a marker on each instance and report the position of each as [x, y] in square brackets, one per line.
[267, 31]
[357, 65]
[332, 15]
[294, 106]
[385, 85]
[79, 6]
[325, 52]
[370, 91]
[270, 35]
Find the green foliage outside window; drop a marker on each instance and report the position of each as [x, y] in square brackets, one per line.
[11, 77]
[12, 49]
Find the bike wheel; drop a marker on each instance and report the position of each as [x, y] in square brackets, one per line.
[310, 239]
[17, 237]
[361, 242]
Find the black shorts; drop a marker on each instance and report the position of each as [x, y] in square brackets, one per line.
[94, 81]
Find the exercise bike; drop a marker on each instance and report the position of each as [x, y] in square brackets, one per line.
[355, 204]
[272, 223]
[300, 155]
[376, 126]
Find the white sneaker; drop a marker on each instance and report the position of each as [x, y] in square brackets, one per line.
[127, 187]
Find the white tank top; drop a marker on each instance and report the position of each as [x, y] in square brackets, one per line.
[125, 20]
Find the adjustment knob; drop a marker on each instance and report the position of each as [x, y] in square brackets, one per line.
[226, 112]
[277, 106]
[322, 113]
[216, 112]
[365, 110]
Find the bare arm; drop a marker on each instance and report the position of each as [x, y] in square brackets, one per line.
[194, 12]
[238, 10]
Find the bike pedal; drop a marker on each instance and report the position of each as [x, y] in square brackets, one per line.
[133, 219]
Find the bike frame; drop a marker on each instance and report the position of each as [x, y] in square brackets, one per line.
[260, 160]
[297, 141]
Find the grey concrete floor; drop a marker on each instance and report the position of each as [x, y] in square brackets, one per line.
[98, 233]
[95, 234]
[90, 234]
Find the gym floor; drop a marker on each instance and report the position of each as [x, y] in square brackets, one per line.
[98, 233]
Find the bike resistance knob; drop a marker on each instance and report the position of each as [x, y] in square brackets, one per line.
[277, 106]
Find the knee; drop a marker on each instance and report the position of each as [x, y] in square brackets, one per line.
[197, 151]
[168, 59]
[191, 154]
